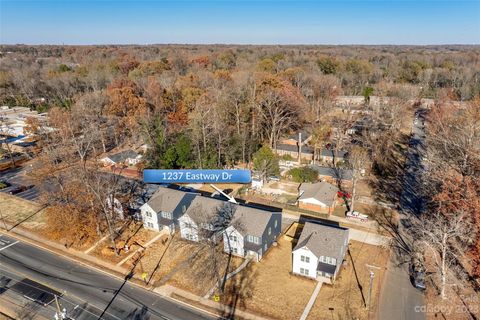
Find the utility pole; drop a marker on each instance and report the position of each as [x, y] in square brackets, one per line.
[60, 314]
[3, 219]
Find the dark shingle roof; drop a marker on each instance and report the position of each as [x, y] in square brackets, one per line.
[339, 154]
[122, 156]
[204, 209]
[323, 240]
[293, 148]
[344, 174]
[321, 191]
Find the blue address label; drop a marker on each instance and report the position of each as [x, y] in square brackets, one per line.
[196, 176]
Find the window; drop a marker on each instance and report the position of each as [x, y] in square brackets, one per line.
[276, 224]
[265, 247]
[235, 250]
[149, 224]
[184, 208]
[305, 259]
[302, 271]
[253, 239]
[148, 214]
[166, 215]
[233, 238]
[306, 272]
[269, 230]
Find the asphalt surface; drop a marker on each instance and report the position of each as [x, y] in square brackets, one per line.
[399, 299]
[87, 293]
[18, 177]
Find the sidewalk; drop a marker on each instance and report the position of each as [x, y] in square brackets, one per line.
[170, 291]
[117, 271]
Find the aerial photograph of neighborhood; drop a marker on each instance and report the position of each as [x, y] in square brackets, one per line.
[233, 159]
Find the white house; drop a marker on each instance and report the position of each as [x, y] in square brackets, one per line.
[197, 220]
[320, 251]
[164, 208]
[252, 231]
[128, 157]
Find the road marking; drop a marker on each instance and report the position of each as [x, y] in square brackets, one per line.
[11, 244]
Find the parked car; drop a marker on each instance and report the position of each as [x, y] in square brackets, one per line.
[274, 178]
[357, 216]
[20, 189]
[417, 272]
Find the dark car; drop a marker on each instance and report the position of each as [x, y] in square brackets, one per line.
[20, 189]
[418, 280]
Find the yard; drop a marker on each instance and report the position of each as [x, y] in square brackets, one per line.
[133, 235]
[269, 288]
[184, 264]
[17, 210]
[348, 295]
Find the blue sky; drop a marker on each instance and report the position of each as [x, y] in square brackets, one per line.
[242, 22]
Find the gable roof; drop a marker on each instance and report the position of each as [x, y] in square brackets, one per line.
[122, 156]
[251, 221]
[323, 240]
[321, 191]
[343, 174]
[339, 154]
[204, 209]
[167, 200]
[293, 148]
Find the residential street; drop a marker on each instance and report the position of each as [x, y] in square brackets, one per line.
[87, 293]
[399, 299]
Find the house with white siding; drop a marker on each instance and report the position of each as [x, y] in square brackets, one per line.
[320, 251]
[198, 219]
[164, 208]
[251, 232]
[246, 231]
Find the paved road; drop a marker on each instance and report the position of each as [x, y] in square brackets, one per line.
[399, 300]
[88, 289]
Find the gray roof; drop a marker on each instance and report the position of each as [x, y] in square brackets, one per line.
[251, 221]
[168, 200]
[323, 240]
[204, 209]
[339, 154]
[344, 174]
[122, 156]
[293, 148]
[321, 191]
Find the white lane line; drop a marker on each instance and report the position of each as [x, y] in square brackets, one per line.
[11, 244]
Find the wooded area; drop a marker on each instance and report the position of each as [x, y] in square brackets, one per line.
[216, 106]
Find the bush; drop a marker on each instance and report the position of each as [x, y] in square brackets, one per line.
[303, 174]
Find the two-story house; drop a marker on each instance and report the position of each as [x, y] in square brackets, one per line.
[164, 208]
[198, 219]
[251, 232]
[320, 251]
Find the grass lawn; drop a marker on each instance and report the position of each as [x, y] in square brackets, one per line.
[347, 295]
[268, 288]
[16, 210]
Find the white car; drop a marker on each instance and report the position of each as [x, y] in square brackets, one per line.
[357, 215]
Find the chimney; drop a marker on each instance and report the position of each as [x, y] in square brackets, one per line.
[299, 148]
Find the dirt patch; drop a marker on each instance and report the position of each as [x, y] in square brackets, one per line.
[348, 295]
[269, 288]
[185, 264]
[134, 236]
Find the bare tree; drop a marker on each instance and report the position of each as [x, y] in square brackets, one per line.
[358, 159]
[445, 239]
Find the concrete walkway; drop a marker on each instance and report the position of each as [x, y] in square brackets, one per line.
[310, 303]
[149, 243]
[231, 274]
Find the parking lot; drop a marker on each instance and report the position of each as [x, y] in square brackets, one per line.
[19, 184]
